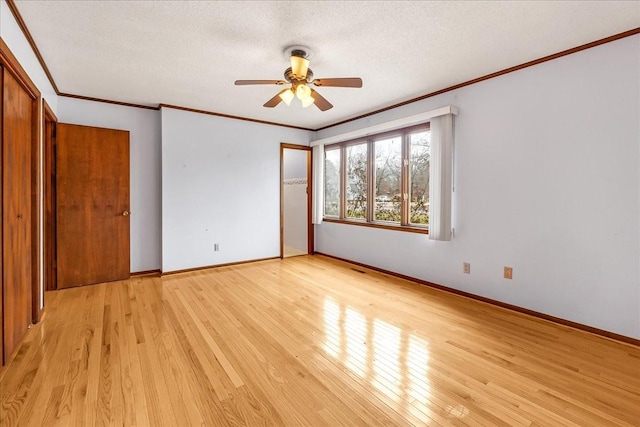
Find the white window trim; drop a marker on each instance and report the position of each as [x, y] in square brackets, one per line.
[388, 126]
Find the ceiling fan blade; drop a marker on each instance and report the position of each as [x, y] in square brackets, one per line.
[259, 82]
[299, 66]
[320, 101]
[275, 100]
[343, 82]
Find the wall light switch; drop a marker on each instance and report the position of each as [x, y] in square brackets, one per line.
[508, 273]
[466, 268]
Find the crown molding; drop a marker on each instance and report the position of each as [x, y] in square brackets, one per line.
[108, 101]
[228, 116]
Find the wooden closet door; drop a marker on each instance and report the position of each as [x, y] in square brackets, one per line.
[92, 205]
[17, 113]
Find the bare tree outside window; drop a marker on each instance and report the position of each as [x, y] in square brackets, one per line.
[332, 183]
[388, 182]
[357, 181]
[419, 162]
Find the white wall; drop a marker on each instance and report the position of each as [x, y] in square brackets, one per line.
[547, 181]
[145, 160]
[220, 184]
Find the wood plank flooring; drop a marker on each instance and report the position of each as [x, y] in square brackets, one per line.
[307, 341]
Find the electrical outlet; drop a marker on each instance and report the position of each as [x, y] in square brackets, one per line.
[466, 268]
[508, 273]
[216, 247]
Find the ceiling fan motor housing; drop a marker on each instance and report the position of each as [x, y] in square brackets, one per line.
[292, 78]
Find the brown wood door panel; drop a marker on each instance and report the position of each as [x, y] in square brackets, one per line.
[17, 121]
[49, 204]
[2, 358]
[92, 205]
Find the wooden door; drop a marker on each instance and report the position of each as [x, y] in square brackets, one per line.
[17, 122]
[49, 211]
[92, 205]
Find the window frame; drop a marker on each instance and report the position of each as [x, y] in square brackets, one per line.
[405, 203]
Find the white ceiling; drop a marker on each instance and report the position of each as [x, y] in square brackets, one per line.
[188, 53]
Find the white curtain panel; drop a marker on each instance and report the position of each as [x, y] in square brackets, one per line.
[441, 177]
[317, 195]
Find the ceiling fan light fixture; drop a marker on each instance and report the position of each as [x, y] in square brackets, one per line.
[303, 91]
[307, 101]
[287, 96]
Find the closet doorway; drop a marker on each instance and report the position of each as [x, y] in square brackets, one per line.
[296, 230]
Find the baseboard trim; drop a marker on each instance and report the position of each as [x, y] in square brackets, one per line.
[156, 273]
[208, 267]
[600, 332]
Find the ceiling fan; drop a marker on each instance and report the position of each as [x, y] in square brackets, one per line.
[300, 76]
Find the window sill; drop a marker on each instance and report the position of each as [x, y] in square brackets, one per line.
[405, 228]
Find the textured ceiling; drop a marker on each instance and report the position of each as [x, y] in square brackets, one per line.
[189, 53]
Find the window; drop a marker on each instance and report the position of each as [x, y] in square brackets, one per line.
[357, 181]
[332, 183]
[419, 157]
[382, 180]
[388, 181]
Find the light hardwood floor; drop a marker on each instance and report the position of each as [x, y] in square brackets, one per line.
[307, 341]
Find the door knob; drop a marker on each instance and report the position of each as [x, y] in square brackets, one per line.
[126, 213]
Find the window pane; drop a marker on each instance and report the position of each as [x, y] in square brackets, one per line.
[388, 182]
[420, 154]
[332, 183]
[357, 181]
